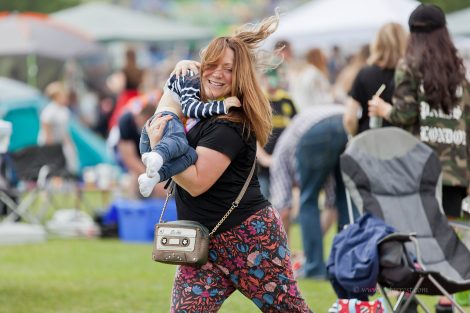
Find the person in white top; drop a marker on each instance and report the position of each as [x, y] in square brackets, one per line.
[307, 84]
[54, 120]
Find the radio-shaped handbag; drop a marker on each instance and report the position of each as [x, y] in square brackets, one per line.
[187, 242]
[181, 242]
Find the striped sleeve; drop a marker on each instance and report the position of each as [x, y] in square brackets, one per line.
[282, 176]
[187, 90]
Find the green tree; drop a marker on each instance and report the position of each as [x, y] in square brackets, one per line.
[42, 6]
[450, 5]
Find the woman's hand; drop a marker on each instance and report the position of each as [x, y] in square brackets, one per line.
[378, 107]
[155, 128]
[184, 66]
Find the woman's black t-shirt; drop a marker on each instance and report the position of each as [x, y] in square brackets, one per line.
[209, 207]
[364, 87]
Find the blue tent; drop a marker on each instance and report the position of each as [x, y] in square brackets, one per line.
[21, 105]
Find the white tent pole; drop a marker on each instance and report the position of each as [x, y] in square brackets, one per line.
[32, 70]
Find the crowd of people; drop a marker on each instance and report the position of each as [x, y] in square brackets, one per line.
[215, 117]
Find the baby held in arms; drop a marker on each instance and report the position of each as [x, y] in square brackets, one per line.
[172, 154]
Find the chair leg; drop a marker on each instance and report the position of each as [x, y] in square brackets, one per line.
[412, 294]
[393, 309]
[420, 303]
[350, 207]
[445, 293]
[399, 300]
[22, 209]
[387, 299]
[9, 203]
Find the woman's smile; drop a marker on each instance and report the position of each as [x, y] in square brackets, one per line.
[217, 78]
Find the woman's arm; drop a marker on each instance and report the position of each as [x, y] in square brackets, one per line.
[264, 158]
[405, 110]
[47, 130]
[198, 178]
[350, 117]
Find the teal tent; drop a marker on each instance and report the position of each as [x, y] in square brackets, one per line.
[22, 109]
[91, 148]
[24, 116]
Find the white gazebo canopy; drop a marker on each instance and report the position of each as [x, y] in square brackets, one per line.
[107, 22]
[347, 23]
[459, 22]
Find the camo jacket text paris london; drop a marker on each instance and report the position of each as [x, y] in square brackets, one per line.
[447, 134]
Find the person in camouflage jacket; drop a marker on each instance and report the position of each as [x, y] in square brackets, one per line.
[431, 100]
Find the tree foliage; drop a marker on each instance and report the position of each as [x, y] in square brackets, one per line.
[42, 6]
[49, 6]
[450, 5]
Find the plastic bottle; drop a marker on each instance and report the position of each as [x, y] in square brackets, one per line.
[376, 121]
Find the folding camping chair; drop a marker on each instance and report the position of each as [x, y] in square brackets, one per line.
[395, 177]
[8, 194]
[35, 166]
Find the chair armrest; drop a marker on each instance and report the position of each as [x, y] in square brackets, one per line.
[402, 237]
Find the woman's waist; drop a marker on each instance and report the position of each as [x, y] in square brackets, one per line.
[204, 205]
[210, 217]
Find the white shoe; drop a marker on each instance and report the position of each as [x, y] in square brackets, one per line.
[153, 161]
[146, 184]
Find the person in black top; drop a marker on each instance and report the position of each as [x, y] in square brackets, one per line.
[126, 149]
[249, 251]
[388, 47]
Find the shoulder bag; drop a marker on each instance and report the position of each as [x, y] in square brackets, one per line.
[187, 242]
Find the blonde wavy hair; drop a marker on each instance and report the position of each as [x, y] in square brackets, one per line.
[389, 46]
[255, 113]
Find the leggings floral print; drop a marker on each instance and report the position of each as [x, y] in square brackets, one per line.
[253, 258]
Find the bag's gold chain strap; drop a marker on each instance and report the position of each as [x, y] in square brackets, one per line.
[237, 200]
[234, 203]
[168, 195]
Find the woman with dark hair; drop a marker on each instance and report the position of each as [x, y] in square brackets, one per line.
[431, 100]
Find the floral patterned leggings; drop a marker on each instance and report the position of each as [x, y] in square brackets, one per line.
[253, 258]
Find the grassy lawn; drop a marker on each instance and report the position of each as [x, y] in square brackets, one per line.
[79, 275]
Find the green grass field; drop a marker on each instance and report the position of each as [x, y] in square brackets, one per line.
[82, 276]
[79, 275]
